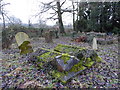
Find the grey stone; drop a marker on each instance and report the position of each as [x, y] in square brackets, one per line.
[66, 66]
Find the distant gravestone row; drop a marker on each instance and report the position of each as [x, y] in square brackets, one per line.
[101, 38]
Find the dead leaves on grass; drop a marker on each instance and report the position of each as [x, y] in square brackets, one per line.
[17, 70]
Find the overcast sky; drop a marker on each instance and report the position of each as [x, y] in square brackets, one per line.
[25, 9]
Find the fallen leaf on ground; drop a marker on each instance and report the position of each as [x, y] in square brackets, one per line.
[14, 71]
[27, 83]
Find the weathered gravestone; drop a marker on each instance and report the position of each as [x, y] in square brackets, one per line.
[65, 65]
[23, 42]
[102, 38]
[108, 41]
[56, 34]
[73, 34]
[48, 37]
[94, 45]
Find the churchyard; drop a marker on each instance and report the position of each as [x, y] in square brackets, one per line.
[68, 61]
[59, 44]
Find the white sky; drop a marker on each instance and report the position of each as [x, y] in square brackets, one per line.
[25, 9]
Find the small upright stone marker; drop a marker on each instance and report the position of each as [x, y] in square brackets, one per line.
[94, 46]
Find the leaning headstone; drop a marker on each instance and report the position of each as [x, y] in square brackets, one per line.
[23, 42]
[94, 45]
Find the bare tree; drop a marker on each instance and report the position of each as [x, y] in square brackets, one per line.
[6, 41]
[2, 11]
[73, 16]
[61, 27]
[56, 7]
[15, 20]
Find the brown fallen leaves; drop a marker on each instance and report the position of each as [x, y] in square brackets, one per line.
[17, 70]
[30, 83]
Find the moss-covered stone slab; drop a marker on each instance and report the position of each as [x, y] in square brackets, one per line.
[42, 56]
[86, 59]
[79, 52]
[65, 65]
[72, 50]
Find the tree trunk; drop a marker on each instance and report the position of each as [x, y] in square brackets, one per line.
[3, 21]
[61, 27]
[5, 43]
[73, 17]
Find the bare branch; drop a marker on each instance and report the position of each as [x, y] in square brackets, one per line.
[45, 10]
[8, 18]
[54, 8]
[65, 10]
[52, 16]
[63, 3]
[48, 6]
[4, 4]
[48, 3]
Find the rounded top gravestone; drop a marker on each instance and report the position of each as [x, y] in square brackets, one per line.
[23, 42]
[21, 37]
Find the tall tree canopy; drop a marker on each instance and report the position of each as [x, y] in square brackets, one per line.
[99, 16]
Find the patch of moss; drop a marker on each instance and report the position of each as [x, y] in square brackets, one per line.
[48, 56]
[40, 65]
[98, 59]
[44, 56]
[59, 48]
[25, 48]
[67, 48]
[65, 57]
[58, 74]
[77, 67]
[88, 62]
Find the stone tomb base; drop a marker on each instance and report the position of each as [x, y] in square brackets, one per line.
[65, 64]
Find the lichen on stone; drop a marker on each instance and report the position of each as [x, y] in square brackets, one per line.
[65, 57]
[77, 67]
[25, 48]
[67, 48]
